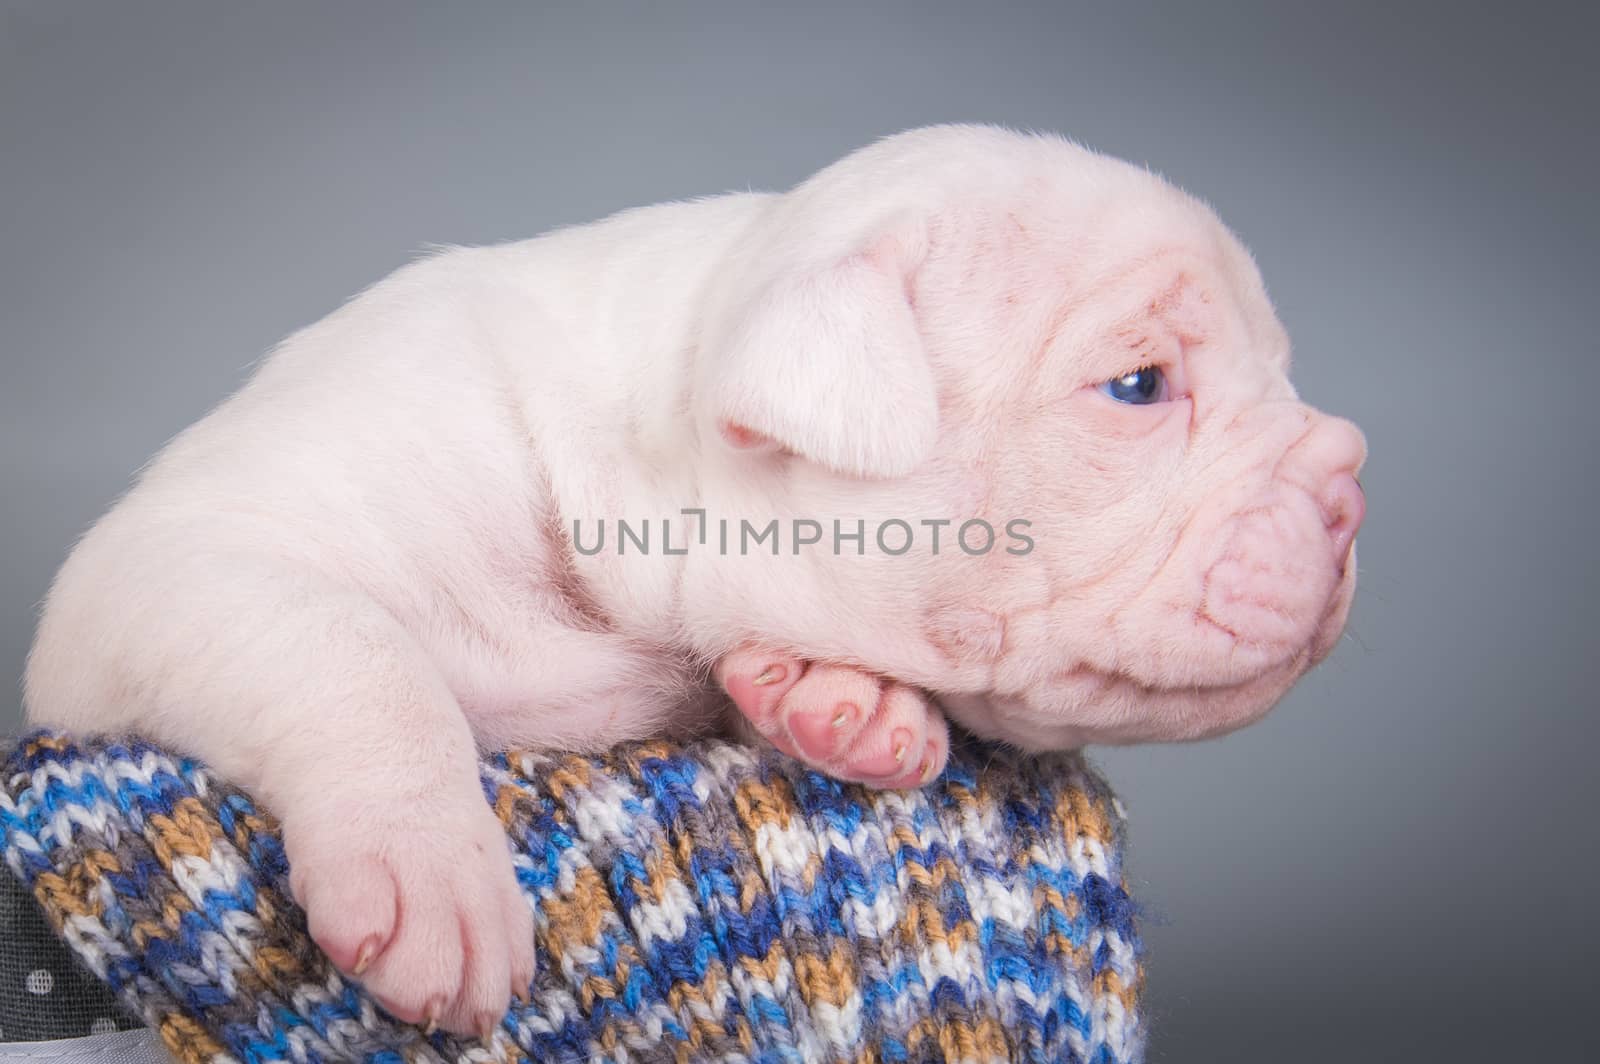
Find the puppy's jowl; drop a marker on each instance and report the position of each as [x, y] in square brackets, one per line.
[358, 571]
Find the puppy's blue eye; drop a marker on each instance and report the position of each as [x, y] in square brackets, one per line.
[1142, 386]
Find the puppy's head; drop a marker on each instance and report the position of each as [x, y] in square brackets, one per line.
[969, 323]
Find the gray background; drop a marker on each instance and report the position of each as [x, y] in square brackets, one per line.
[1400, 861]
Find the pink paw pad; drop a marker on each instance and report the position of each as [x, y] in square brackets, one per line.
[842, 720]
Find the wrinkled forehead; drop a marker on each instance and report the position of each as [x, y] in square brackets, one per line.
[1125, 245]
[1058, 264]
[1138, 259]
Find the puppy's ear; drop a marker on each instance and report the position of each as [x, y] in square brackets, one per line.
[827, 362]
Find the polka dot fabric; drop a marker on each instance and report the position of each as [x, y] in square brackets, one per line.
[45, 992]
[706, 902]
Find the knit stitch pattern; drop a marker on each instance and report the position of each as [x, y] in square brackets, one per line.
[695, 902]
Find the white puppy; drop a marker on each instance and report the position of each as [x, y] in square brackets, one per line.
[382, 554]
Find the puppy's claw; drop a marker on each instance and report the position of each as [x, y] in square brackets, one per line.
[364, 955]
[770, 675]
[435, 1007]
[926, 773]
[486, 1026]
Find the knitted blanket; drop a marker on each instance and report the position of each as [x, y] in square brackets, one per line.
[705, 902]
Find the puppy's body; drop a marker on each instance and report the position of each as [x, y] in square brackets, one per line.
[360, 567]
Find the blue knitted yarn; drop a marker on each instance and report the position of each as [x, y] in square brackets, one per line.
[706, 902]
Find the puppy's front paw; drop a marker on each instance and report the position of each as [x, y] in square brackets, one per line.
[423, 909]
[838, 718]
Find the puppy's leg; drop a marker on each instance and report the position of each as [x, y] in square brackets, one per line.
[845, 721]
[314, 697]
[585, 691]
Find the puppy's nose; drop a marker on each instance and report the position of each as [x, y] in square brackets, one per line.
[1333, 445]
[1344, 504]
